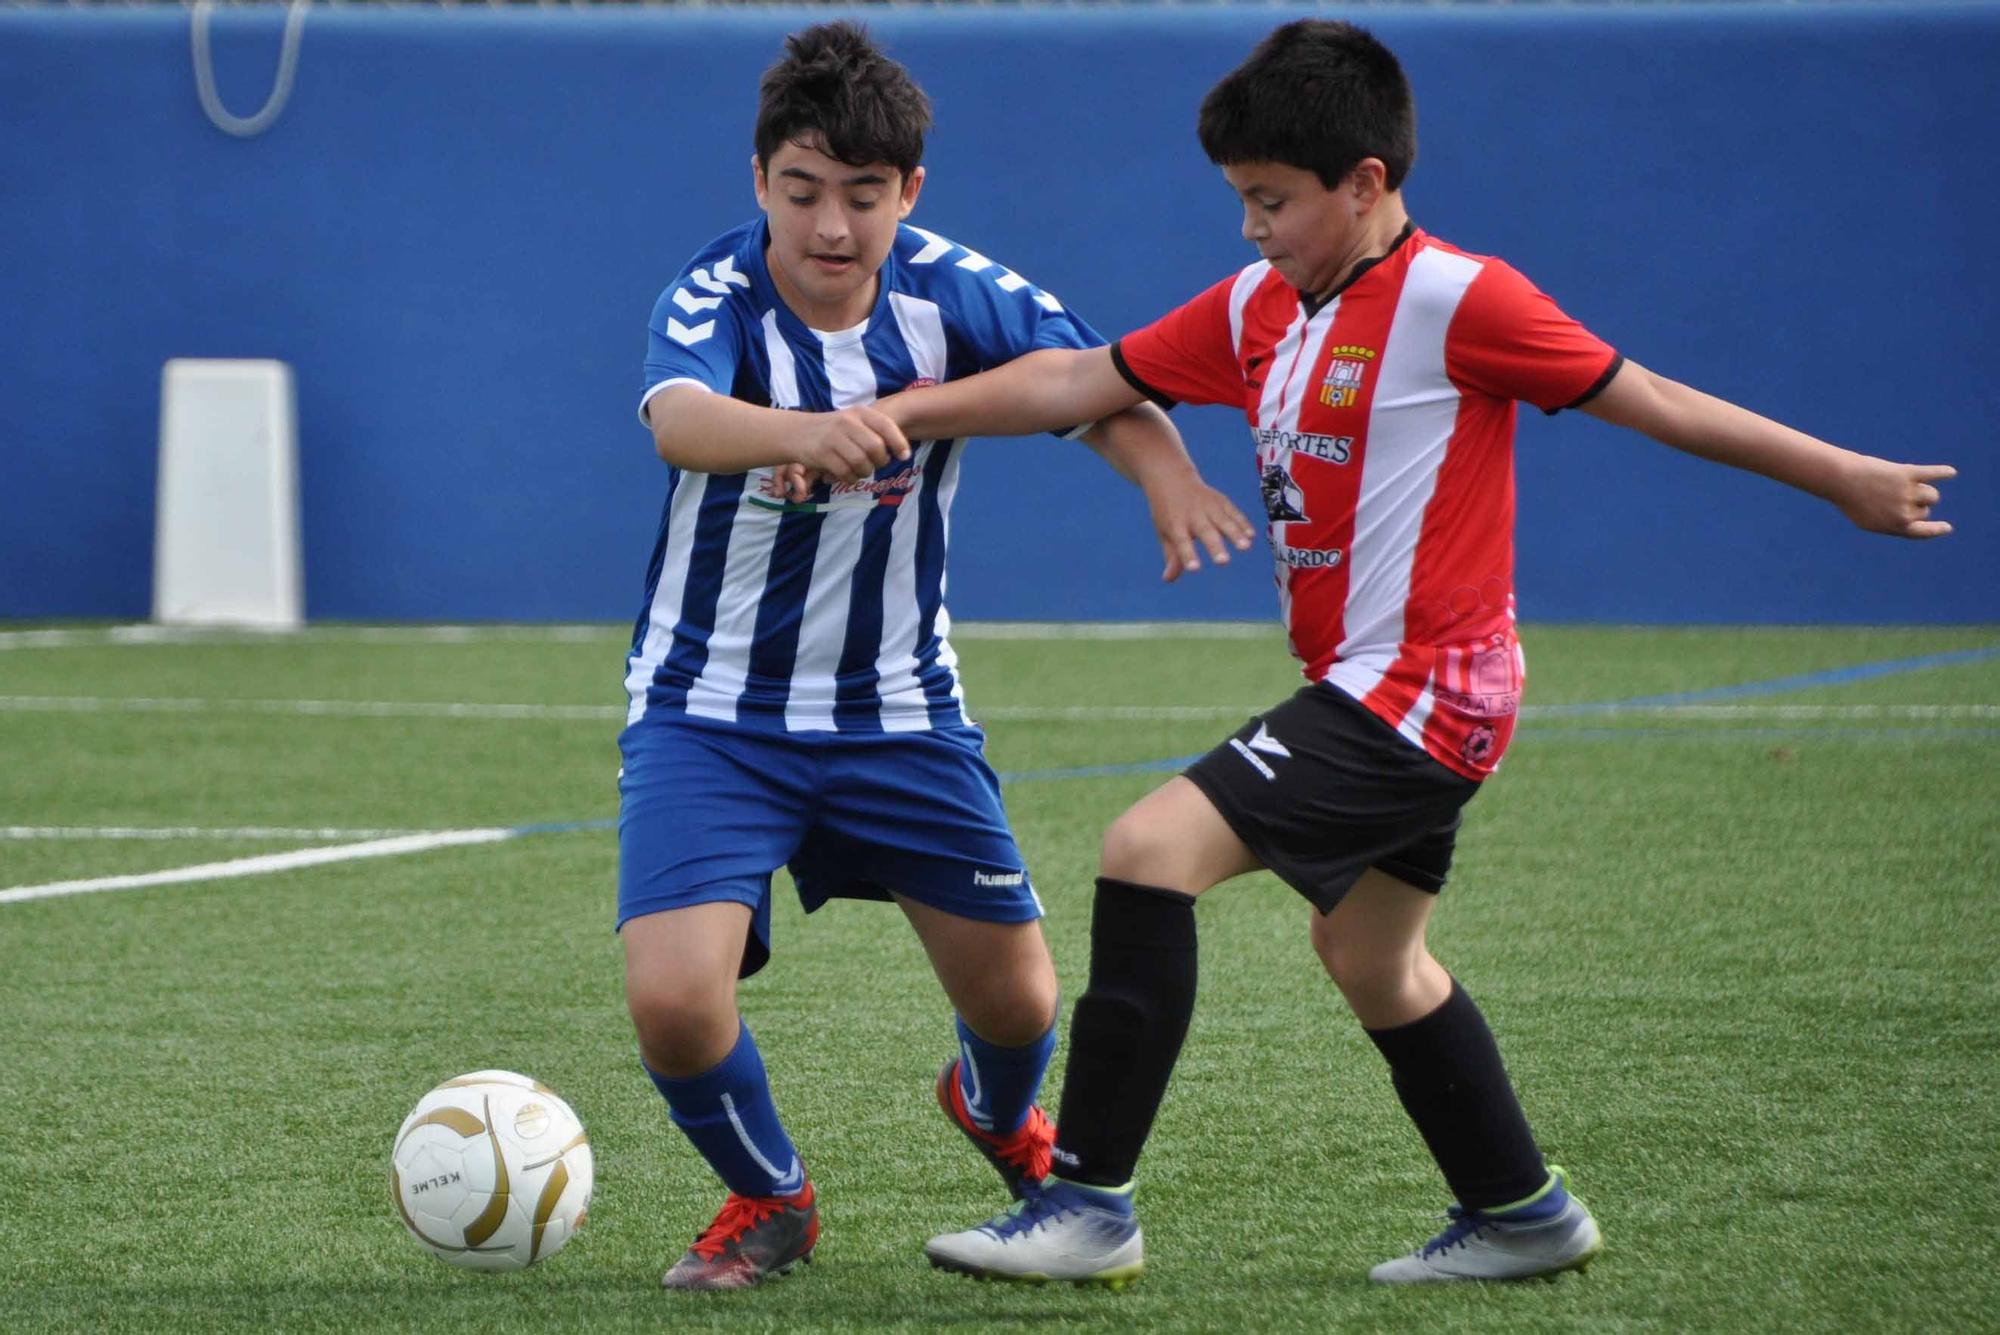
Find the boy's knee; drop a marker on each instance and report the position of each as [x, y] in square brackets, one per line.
[1013, 1009]
[1135, 848]
[683, 1029]
[1174, 839]
[1382, 985]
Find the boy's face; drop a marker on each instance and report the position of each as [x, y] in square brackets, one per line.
[1308, 232]
[832, 225]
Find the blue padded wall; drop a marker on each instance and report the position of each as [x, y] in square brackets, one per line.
[458, 226]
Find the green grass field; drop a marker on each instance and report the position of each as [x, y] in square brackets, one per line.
[1741, 953]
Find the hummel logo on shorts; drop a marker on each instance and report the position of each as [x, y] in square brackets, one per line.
[986, 878]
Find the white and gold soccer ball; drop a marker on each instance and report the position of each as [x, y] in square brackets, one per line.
[492, 1171]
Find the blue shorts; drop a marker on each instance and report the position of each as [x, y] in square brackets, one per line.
[708, 812]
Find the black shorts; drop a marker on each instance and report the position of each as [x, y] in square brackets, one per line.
[1321, 790]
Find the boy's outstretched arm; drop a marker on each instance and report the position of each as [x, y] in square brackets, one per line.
[1050, 390]
[1187, 513]
[705, 432]
[1878, 495]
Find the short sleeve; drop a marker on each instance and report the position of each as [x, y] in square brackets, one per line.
[695, 337]
[1509, 340]
[1187, 355]
[1002, 315]
[993, 313]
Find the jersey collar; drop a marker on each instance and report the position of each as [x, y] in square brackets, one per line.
[1314, 305]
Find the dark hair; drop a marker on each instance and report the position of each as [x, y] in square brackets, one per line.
[832, 86]
[1318, 95]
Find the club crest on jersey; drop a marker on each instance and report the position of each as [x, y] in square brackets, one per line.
[1342, 386]
[1284, 499]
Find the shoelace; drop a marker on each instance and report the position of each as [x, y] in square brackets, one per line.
[1024, 1216]
[739, 1215]
[1463, 1226]
[1027, 1148]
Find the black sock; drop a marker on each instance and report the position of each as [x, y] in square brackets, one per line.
[1127, 1029]
[1447, 1071]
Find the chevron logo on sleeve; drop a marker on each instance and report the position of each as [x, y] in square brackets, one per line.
[692, 304]
[686, 335]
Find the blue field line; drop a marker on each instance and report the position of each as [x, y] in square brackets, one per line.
[1841, 731]
[1101, 771]
[1804, 681]
[1742, 690]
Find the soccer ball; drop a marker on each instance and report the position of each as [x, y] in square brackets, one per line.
[492, 1171]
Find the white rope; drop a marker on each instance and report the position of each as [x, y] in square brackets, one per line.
[281, 87]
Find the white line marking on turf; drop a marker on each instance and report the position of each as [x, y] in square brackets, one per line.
[71, 637]
[92, 704]
[191, 832]
[458, 709]
[126, 636]
[1114, 630]
[259, 866]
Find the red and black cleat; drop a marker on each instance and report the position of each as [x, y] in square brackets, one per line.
[1022, 1158]
[752, 1239]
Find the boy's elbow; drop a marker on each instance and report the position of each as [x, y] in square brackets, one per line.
[670, 441]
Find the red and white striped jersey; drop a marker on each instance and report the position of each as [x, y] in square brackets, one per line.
[1384, 424]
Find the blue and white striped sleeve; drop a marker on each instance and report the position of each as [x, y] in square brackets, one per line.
[696, 334]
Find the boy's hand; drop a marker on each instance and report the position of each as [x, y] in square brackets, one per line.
[1187, 512]
[849, 445]
[790, 482]
[1893, 498]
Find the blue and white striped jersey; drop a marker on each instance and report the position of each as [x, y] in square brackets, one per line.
[827, 614]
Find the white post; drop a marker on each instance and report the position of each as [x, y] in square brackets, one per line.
[226, 545]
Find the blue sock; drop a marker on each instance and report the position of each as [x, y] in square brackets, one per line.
[999, 1084]
[1547, 1203]
[727, 1112]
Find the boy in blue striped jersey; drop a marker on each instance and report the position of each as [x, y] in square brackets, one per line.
[794, 698]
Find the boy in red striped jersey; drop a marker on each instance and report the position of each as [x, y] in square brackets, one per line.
[1378, 368]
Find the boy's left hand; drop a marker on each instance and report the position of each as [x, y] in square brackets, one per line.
[1188, 514]
[1893, 498]
[791, 482]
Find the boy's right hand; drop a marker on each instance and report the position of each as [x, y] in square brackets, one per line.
[849, 445]
[1886, 497]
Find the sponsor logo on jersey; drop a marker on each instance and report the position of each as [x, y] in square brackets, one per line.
[1333, 449]
[865, 494]
[1307, 558]
[1344, 374]
[882, 490]
[1284, 499]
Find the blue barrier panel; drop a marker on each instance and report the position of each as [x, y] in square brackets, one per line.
[458, 226]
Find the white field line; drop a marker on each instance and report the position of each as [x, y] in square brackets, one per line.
[64, 704]
[258, 866]
[93, 704]
[1115, 630]
[146, 634]
[192, 832]
[127, 636]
